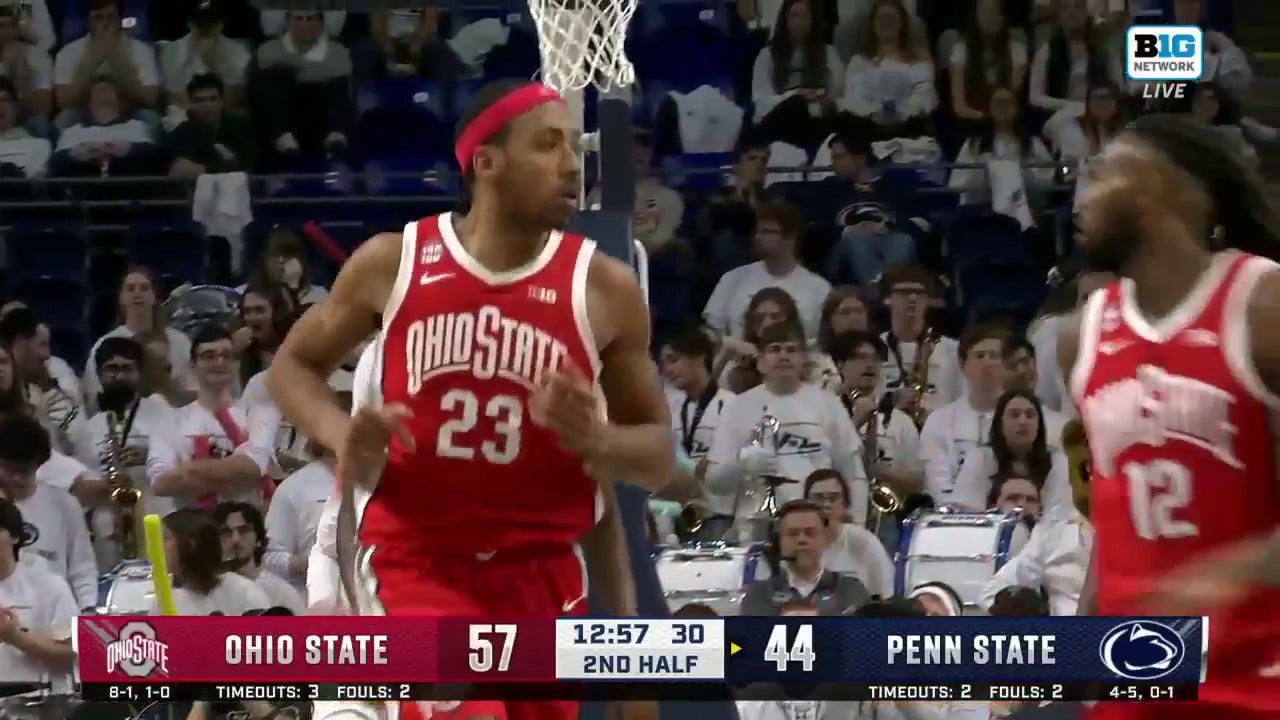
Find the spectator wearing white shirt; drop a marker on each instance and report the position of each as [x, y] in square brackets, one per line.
[957, 429]
[167, 349]
[26, 65]
[988, 58]
[736, 363]
[293, 519]
[860, 357]
[850, 548]
[244, 544]
[37, 609]
[62, 537]
[284, 262]
[21, 153]
[57, 369]
[1022, 373]
[1018, 447]
[797, 79]
[35, 23]
[106, 50]
[890, 81]
[1054, 560]
[220, 449]
[193, 548]
[814, 431]
[107, 139]
[1071, 62]
[1005, 138]
[908, 290]
[695, 414]
[118, 438]
[205, 50]
[53, 406]
[779, 229]
[1078, 134]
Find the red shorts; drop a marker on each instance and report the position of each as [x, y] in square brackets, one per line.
[533, 583]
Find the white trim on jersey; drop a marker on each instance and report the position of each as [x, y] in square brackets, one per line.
[1087, 350]
[1185, 312]
[404, 274]
[588, 338]
[1237, 345]
[460, 255]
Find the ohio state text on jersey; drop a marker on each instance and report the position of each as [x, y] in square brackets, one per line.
[464, 347]
[1183, 451]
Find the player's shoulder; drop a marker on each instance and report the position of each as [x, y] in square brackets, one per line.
[614, 279]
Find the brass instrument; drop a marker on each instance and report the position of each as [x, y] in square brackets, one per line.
[767, 432]
[920, 376]
[884, 501]
[124, 495]
[690, 520]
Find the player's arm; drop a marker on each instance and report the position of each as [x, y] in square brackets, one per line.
[324, 337]
[1264, 313]
[636, 444]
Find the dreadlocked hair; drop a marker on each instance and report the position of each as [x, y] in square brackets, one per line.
[1240, 208]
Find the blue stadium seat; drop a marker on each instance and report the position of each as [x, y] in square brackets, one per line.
[70, 344]
[398, 132]
[55, 251]
[652, 17]
[979, 236]
[1002, 290]
[176, 253]
[56, 302]
[409, 176]
[518, 57]
[683, 55]
[75, 19]
[408, 93]
[697, 171]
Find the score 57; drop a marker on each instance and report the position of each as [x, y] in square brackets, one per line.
[800, 650]
[481, 641]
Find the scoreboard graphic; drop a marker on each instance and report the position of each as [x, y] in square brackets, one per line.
[386, 659]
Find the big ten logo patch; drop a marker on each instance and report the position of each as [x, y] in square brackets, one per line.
[1165, 53]
[431, 253]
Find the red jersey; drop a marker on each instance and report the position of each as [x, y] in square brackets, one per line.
[463, 349]
[1183, 457]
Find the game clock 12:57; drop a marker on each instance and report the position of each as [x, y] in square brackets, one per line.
[625, 632]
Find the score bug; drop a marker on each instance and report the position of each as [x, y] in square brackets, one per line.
[782, 651]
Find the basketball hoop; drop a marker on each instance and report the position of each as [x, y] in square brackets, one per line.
[581, 43]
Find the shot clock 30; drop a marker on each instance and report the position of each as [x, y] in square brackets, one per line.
[638, 649]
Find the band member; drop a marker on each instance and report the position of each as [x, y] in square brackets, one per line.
[908, 291]
[116, 440]
[213, 453]
[695, 414]
[813, 429]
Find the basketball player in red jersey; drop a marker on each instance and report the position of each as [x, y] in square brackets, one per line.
[1176, 372]
[501, 335]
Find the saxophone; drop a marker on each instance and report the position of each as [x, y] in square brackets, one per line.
[920, 376]
[124, 495]
[884, 501]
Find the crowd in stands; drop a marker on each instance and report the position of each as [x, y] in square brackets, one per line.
[849, 214]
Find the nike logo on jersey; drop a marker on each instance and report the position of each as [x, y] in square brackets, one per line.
[1271, 672]
[1112, 347]
[570, 604]
[428, 278]
[1200, 337]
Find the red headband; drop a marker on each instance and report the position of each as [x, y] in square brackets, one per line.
[493, 118]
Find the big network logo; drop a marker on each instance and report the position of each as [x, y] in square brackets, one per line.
[1164, 53]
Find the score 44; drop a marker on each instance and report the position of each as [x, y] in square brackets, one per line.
[482, 640]
[782, 651]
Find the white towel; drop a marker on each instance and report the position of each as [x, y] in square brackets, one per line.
[784, 155]
[222, 205]
[473, 42]
[709, 122]
[1009, 192]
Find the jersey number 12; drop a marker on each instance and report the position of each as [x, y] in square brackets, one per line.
[1158, 491]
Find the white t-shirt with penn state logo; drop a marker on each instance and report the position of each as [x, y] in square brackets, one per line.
[693, 431]
[195, 426]
[815, 433]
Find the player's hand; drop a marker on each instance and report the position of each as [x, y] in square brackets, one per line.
[566, 403]
[370, 433]
[1218, 579]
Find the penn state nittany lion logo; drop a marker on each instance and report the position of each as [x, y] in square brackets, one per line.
[1142, 650]
[137, 653]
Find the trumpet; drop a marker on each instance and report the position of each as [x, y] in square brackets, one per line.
[767, 432]
[124, 495]
[691, 519]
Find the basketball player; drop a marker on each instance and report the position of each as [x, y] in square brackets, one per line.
[1176, 370]
[500, 334]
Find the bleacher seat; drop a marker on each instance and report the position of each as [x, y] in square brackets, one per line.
[406, 92]
[58, 302]
[176, 253]
[53, 251]
[409, 176]
[70, 344]
[403, 132]
[697, 171]
[654, 17]
[978, 236]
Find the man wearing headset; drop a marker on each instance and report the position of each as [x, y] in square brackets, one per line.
[802, 575]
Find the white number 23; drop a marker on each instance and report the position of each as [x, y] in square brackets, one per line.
[506, 413]
[1159, 490]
